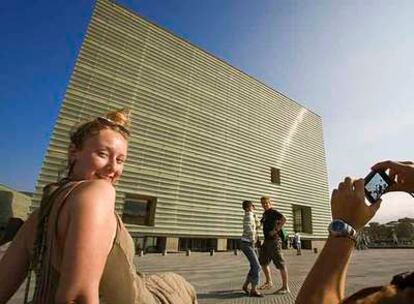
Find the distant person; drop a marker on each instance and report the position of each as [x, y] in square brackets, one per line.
[394, 238]
[290, 241]
[325, 283]
[298, 243]
[76, 242]
[249, 238]
[361, 241]
[272, 222]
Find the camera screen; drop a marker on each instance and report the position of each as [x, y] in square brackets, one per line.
[376, 186]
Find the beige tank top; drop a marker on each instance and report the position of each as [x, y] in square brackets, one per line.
[120, 282]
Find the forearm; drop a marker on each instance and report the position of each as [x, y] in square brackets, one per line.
[279, 224]
[14, 265]
[326, 281]
[9, 281]
[278, 227]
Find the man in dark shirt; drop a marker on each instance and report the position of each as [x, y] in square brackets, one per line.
[272, 222]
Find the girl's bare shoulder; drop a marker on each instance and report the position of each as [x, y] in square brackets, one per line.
[93, 194]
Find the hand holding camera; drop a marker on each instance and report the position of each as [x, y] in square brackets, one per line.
[348, 203]
[401, 173]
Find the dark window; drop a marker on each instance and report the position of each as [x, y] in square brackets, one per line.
[297, 220]
[275, 176]
[139, 210]
[196, 244]
[233, 244]
[148, 244]
[302, 219]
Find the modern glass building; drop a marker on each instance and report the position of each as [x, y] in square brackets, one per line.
[205, 137]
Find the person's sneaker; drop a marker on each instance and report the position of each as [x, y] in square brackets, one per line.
[282, 291]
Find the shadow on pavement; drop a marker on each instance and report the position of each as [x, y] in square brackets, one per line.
[222, 294]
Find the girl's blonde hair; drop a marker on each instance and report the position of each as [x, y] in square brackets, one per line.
[116, 120]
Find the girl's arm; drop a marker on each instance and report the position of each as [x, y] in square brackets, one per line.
[14, 265]
[87, 242]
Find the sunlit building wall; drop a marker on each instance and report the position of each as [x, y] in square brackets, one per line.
[205, 137]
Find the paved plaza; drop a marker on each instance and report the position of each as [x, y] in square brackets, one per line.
[218, 278]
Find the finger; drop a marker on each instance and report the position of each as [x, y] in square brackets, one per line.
[381, 165]
[388, 164]
[393, 165]
[348, 184]
[359, 186]
[342, 186]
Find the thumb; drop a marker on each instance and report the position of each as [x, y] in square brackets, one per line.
[374, 207]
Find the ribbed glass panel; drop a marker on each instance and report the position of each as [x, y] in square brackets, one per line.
[205, 134]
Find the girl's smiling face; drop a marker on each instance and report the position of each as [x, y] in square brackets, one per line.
[101, 156]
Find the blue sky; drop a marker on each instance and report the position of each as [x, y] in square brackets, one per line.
[349, 61]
